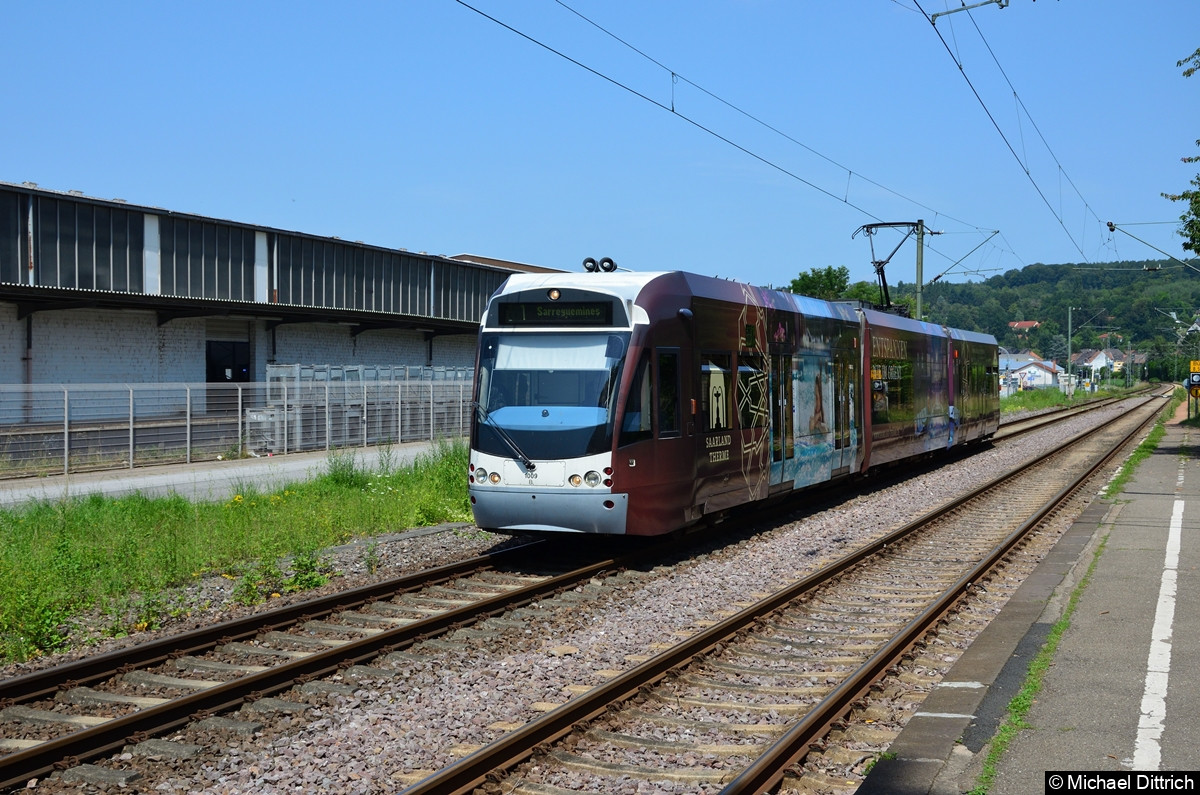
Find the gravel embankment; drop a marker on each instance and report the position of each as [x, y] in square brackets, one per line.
[439, 700]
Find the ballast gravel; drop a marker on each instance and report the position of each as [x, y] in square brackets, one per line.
[446, 697]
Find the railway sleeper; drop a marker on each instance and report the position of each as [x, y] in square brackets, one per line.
[836, 628]
[801, 691]
[344, 629]
[155, 748]
[814, 644]
[249, 650]
[674, 746]
[149, 679]
[86, 696]
[717, 705]
[375, 620]
[595, 767]
[703, 727]
[805, 655]
[314, 644]
[44, 717]
[216, 666]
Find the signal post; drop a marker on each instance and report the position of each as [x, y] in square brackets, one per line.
[1193, 388]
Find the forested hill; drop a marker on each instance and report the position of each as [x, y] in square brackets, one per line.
[1129, 301]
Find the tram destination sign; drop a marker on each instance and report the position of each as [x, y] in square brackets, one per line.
[556, 313]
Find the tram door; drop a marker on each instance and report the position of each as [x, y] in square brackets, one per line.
[843, 421]
[783, 443]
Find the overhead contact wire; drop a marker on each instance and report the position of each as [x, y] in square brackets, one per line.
[1003, 137]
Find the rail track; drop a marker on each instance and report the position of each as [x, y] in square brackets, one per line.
[57, 718]
[54, 718]
[1012, 428]
[737, 706]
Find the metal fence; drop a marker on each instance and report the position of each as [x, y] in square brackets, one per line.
[50, 429]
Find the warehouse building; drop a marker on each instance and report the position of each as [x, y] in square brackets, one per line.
[133, 335]
[102, 291]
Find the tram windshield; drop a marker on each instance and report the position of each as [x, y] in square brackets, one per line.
[554, 395]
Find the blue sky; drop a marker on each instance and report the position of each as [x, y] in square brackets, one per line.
[424, 125]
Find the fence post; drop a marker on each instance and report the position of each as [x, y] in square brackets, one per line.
[431, 414]
[400, 409]
[66, 431]
[187, 411]
[241, 436]
[365, 424]
[130, 426]
[328, 420]
[285, 419]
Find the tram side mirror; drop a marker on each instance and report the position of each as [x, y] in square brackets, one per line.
[615, 348]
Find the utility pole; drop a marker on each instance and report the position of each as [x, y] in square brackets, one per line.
[920, 261]
[1070, 383]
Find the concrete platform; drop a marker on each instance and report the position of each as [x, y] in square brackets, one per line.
[1123, 691]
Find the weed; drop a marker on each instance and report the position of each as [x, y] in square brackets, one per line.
[33, 627]
[307, 572]
[343, 470]
[246, 592]
[371, 556]
[387, 459]
[870, 765]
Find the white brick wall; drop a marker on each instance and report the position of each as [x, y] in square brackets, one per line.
[94, 346]
[12, 345]
[455, 350]
[111, 346]
[318, 343]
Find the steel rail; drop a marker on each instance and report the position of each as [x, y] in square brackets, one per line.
[518, 745]
[19, 766]
[41, 684]
[1015, 428]
[769, 769]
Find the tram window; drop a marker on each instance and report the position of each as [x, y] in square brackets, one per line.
[716, 391]
[668, 393]
[636, 423]
[752, 391]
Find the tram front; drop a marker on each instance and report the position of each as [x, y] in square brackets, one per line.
[548, 374]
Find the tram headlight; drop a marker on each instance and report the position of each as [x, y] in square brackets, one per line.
[493, 477]
[481, 475]
[575, 480]
[592, 478]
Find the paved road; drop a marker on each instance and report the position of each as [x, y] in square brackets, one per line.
[209, 481]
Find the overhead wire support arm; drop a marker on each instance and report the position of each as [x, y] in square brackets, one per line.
[869, 231]
[1001, 3]
[1114, 227]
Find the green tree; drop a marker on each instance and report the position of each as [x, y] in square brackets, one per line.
[828, 283]
[1056, 348]
[867, 292]
[1190, 230]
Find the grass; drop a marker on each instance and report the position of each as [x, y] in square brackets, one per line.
[1039, 399]
[62, 558]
